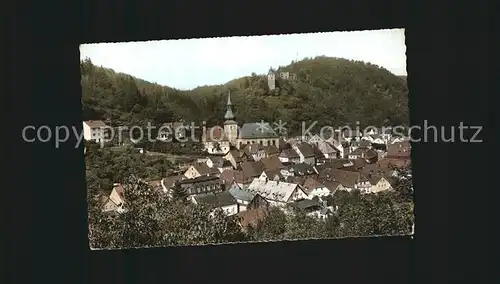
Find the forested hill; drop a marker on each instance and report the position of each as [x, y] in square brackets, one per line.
[331, 91]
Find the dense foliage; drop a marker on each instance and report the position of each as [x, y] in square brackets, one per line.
[331, 91]
[152, 219]
[108, 165]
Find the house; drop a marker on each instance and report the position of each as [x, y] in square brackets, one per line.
[375, 139]
[379, 183]
[246, 199]
[169, 182]
[201, 184]
[319, 157]
[315, 139]
[95, 130]
[312, 187]
[170, 130]
[363, 153]
[301, 169]
[282, 145]
[234, 157]
[228, 176]
[271, 151]
[386, 167]
[332, 186]
[328, 150]
[215, 141]
[200, 169]
[223, 200]
[313, 207]
[357, 164]
[306, 153]
[277, 192]
[252, 169]
[399, 150]
[214, 161]
[251, 218]
[226, 165]
[256, 151]
[334, 164]
[107, 205]
[395, 139]
[360, 144]
[117, 196]
[350, 180]
[272, 163]
[351, 135]
[289, 156]
[257, 133]
[272, 175]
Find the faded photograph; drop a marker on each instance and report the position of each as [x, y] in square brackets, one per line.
[247, 139]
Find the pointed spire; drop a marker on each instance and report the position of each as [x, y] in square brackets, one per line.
[229, 112]
[229, 99]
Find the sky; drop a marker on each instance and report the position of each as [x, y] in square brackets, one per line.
[187, 64]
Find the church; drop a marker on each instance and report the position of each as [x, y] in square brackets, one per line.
[219, 140]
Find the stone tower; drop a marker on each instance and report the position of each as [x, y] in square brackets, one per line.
[230, 126]
[271, 80]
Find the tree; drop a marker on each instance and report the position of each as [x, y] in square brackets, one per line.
[179, 193]
[150, 219]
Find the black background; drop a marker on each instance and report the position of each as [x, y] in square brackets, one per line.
[44, 217]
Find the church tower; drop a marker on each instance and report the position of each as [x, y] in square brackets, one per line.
[230, 126]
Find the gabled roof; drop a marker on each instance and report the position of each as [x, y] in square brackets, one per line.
[332, 185]
[273, 190]
[358, 163]
[216, 160]
[305, 149]
[204, 169]
[271, 150]
[252, 169]
[282, 144]
[273, 173]
[311, 184]
[297, 180]
[335, 164]
[271, 163]
[170, 181]
[302, 169]
[241, 194]
[205, 178]
[306, 204]
[257, 130]
[227, 176]
[218, 199]
[326, 148]
[399, 149]
[289, 153]
[346, 178]
[374, 179]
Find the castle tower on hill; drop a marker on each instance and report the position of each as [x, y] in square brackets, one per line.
[230, 126]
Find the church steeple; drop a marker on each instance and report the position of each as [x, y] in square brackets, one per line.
[229, 112]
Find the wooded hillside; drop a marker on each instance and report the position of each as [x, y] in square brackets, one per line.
[331, 91]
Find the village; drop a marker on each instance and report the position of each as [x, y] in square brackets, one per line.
[248, 169]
